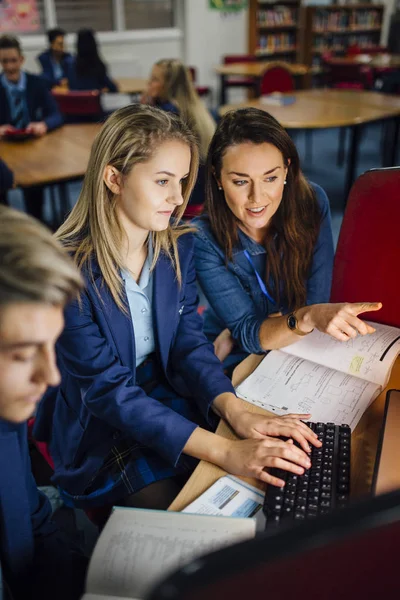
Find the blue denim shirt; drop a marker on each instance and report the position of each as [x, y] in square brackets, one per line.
[233, 292]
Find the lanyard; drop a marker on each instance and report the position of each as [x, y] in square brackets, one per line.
[260, 281]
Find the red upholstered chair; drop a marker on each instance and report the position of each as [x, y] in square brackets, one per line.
[276, 78]
[79, 104]
[353, 50]
[202, 90]
[192, 211]
[349, 76]
[366, 264]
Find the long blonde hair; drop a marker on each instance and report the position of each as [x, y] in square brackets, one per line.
[130, 136]
[179, 89]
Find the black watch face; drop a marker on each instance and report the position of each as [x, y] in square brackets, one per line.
[292, 322]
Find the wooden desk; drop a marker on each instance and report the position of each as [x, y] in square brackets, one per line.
[126, 85]
[59, 156]
[131, 85]
[364, 444]
[320, 109]
[374, 61]
[256, 71]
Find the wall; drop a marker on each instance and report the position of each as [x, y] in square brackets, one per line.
[209, 35]
[128, 53]
[201, 38]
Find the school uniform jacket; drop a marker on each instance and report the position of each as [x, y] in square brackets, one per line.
[98, 399]
[36, 559]
[41, 104]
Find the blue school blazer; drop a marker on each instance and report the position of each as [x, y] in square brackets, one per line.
[37, 560]
[41, 104]
[45, 61]
[98, 400]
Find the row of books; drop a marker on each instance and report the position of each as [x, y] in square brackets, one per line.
[338, 43]
[281, 15]
[276, 41]
[344, 20]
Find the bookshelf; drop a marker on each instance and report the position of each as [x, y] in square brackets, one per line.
[335, 27]
[274, 29]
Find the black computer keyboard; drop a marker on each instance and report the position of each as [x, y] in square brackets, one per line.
[322, 488]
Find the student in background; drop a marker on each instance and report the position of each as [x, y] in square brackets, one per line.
[140, 384]
[25, 103]
[264, 245]
[171, 88]
[88, 71]
[55, 62]
[37, 278]
[6, 181]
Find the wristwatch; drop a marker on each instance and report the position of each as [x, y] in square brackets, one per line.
[292, 324]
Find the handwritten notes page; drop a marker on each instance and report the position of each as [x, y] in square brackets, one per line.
[286, 384]
[138, 547]
[334, 381]
[369, 357]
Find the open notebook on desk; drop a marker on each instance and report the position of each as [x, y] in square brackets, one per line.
[334, 381]
[138, 547]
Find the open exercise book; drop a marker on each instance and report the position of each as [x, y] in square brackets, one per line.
[334, 381]
[139, 547]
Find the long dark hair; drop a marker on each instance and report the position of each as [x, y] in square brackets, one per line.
[88, 61]
[293, 229]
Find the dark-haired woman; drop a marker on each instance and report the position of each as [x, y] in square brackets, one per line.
[88, 71]
[264, 245]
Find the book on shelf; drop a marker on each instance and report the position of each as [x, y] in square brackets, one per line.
[334, 381]
[137, 548]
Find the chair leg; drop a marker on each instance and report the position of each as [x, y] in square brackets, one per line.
[309, 145]
[342, 147]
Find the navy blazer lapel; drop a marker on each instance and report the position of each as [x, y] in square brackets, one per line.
[165, 305]
[120, 323]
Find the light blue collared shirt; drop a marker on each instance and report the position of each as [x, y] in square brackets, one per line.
[57, 69]
[140, 305]
[21, 87]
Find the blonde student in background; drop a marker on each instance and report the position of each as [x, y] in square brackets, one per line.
[141, 385]
[170, 88]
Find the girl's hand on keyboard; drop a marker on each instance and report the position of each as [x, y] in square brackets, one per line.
[249, 458]
[252, 425]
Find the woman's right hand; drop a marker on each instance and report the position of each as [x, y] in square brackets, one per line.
[249, 458]
[338, 320]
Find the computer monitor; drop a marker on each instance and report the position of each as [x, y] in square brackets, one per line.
[351, 553]
[387, 465]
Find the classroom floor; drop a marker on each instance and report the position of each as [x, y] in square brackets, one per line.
[321, 168]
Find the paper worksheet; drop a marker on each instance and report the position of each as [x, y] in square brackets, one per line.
[230, 497]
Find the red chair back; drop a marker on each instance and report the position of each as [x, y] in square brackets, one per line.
[350, 76]
[79, 103]
[366, 264]
[353, 50]
[238, 58]
[277, 79]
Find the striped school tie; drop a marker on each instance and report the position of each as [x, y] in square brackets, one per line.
[19, 118]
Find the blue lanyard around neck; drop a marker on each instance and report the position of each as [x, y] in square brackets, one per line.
[261, 283]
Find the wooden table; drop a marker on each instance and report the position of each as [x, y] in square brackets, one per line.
[322, 109]
[59, 156]
[375, 61]
[54, 159]
[256, 71]
[126, 85]
[364, 442]
[131, 85]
